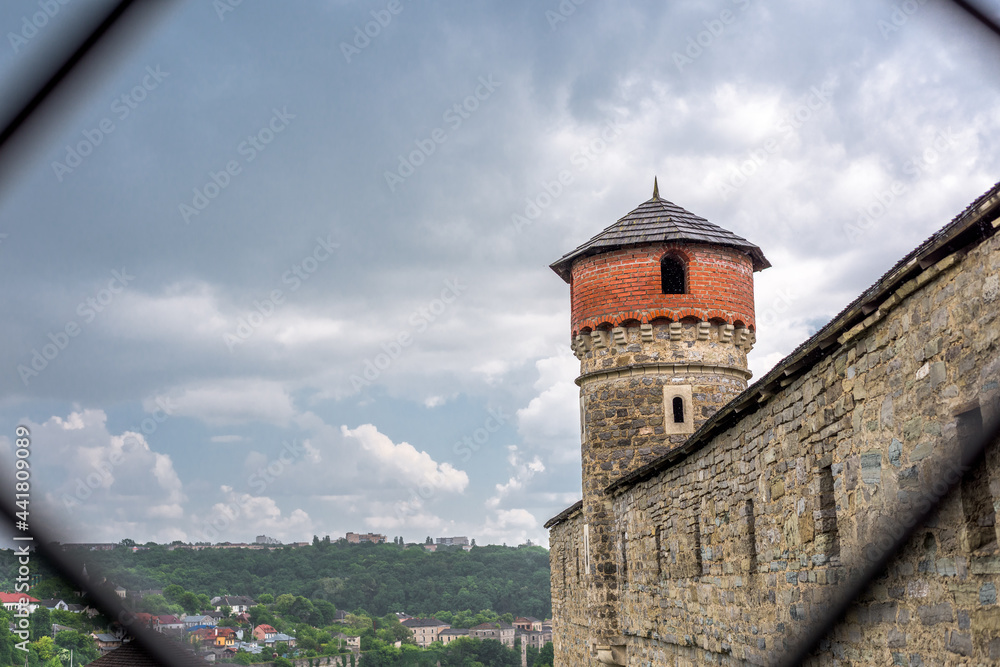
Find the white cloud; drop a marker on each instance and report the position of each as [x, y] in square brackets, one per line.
[510, 526]
[184, 311]
[162, 336]
[296, 330]
[516, 518]
[408, 515]
[551, 420]
[523, 472]
[226, 438]
[228, 402]
[96, 484]
[245, 514]
[409, 465]
[72, 423]
[493, 370]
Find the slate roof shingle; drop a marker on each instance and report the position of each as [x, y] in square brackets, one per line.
[422, 623]
[657, 221]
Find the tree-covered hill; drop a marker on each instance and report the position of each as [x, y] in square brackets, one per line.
[377, 578]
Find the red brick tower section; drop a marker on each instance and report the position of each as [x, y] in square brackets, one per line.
[662, 320]
[624, 286]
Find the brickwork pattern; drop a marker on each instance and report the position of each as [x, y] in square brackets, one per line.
[624, 285]
[725, 556]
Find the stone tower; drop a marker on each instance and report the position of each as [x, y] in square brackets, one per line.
[662, 320]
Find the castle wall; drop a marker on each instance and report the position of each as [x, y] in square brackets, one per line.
[629, 378]
[624, 381]
[622, 285]
[570, 618]
[726, 554]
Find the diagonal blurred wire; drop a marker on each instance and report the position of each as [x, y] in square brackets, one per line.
[837, 608]
[979, 15]
[29, 112]
[25, 112]
[52, 82]
[33, 107]
[166, 652]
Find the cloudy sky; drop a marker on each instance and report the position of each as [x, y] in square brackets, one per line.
[282, 268]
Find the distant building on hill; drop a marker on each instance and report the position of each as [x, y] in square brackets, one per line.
[238, 603]
[357, 538]
[425, 630]
[528, 623]
[264, 539]
[11, 601]
[500, 631]
[452, 541]
[451, 634]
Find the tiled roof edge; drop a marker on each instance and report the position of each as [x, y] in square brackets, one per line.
[565, 514]
[949, 240]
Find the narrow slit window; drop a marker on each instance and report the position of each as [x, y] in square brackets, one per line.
[828, 539]
[678, 404]
[672, 276]
[624, 571]
[697, 571]
[658, 538]
[977, 501]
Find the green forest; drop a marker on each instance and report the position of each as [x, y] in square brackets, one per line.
[374, 578]
[298, 590]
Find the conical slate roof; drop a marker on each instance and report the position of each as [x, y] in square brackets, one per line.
[657, 221]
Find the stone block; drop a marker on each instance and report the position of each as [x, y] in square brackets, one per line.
[922, 451]
[988, 593]
[986, 620]
[985, 565]
[895, 452]
[871, 467]
[959, 643]
[933, 614]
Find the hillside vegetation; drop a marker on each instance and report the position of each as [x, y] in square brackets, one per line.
[376, 578]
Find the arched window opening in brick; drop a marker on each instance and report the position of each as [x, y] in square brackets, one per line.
[678, 403]
[673, 276]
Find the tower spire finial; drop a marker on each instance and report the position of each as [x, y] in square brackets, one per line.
[656, 189]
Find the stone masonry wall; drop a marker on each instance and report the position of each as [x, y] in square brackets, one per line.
[626, 378]
[570, 617]
[724, 556]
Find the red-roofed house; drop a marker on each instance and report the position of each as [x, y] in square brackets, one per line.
[145, 620]
[222, 636]
[264, 632]
[11, 601]
[168, 622]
